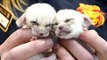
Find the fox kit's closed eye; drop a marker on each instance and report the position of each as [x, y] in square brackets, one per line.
[70, 23]
[39, 17]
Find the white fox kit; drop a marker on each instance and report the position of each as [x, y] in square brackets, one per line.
[70, 23]
[39, 17]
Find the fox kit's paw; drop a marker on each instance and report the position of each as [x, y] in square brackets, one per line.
[33, 38]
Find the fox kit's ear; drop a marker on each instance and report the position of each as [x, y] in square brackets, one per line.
[87, 21]
[21, 21]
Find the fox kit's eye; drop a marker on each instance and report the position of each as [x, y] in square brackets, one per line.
[55, 24]
[48, 25]
[34, 23]
[67, 20]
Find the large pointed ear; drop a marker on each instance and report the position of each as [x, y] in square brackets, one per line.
[87, 21]
[21, 21]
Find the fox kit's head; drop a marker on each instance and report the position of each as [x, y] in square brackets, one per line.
[70, 23]
[39, 17]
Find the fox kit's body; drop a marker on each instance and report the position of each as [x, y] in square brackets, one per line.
[39, 17]
[71, 24]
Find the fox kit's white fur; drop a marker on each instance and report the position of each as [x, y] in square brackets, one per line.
[70, 23]
[39, 17]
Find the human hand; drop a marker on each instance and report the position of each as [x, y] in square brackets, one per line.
[71, 49]
[19, 47]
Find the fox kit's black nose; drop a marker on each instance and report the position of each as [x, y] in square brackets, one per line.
[60, 28]
[41, 34]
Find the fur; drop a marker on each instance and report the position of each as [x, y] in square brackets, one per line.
[70, 23]
[38, 17]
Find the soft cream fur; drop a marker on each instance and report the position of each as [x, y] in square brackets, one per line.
[39, 17]
[70, 24]
[73, 27]
[41, 13]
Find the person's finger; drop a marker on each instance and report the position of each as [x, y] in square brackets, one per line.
[62, 53]
[58, 59]
[96, 42]
[18, 37]
[29, 49]
[51, 57]
[78, 51]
